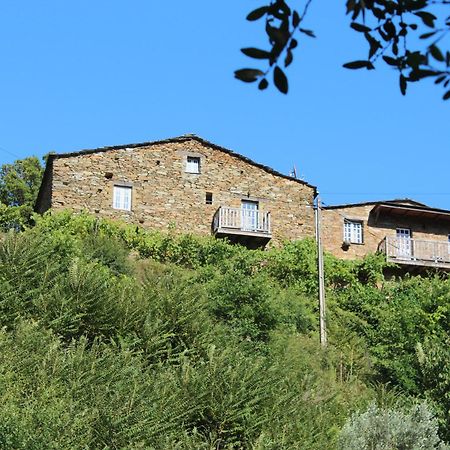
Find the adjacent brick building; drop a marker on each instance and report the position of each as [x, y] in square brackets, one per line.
[407, 232]
[185, 182]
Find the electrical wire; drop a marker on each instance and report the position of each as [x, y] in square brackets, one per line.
[10, 152]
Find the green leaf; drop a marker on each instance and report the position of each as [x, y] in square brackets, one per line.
[446, 95]
[350, 6]
[255, 53]
[436, 53]
[359, 65]
[414, 5]
[263, 84]
[295, 19]
[248, 75]
[293, 44]
[390, 29]
[418, 74]
[415, 59]
[373, 43]
[403, 84]
[440, 79]
[395, 48]
[257, 13]
[277, 35]
[391, 61]
[379, 13]
[427, 35]
[359, 27]
[427, 18]
[288, 59]
[280, 80]
[309, 33]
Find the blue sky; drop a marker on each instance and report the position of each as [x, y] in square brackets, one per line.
[83, 74]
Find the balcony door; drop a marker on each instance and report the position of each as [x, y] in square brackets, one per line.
[249, 215]
[404, 249]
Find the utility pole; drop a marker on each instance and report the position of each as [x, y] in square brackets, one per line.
[322, 306]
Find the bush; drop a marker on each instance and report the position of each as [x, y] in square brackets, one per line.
[195, 343]
[109, 251]
[15, 217]
[243, 303]
[386, 429]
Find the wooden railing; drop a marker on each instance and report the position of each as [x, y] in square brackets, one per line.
[241, 219]
[415, 250]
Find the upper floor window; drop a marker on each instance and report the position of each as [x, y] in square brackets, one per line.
[193, 164]
[122, 197]
[209, 198]
[353, 231]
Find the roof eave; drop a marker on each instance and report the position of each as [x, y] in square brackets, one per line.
[53, 156]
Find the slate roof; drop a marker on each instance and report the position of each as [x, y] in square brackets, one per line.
[396, 201]
[183, 138]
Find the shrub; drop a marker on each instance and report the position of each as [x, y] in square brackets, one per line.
[175, 317]
[218, 341]
[243, 303]
[109, 251]
[386, 429]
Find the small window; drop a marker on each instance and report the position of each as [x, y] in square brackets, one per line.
[193, 164]
[353, 232]
[122, 198]
[209, 198]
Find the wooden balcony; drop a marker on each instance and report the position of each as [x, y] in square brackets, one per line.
[416, 252]
[245, 226]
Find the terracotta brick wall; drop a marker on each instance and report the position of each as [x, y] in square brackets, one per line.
[164, 194]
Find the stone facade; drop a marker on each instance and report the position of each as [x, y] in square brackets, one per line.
[164, 194]
[430, 225]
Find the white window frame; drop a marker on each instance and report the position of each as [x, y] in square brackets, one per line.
[353, 231]
[122, 197]
[193, 164]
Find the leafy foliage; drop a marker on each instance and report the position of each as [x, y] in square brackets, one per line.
[20, 181]
[114, 337]
[404, 34]
[379, 429]
[19, 186]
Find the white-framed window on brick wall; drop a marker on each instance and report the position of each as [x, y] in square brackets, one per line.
[353, 231]
[193, 164]
[122, 197]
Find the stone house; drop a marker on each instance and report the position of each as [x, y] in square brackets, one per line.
[185, 182]
[409, 233]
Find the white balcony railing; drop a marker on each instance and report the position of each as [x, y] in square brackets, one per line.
[404, 250]
[241, 219]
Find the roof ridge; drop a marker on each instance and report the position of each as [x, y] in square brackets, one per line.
[180, 138]
[377, 202]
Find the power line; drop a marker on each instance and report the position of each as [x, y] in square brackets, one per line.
[10, 152]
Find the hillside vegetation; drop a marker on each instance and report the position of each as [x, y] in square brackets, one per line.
[116, 338]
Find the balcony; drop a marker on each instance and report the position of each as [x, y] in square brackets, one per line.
[249, 227]
[416, 252]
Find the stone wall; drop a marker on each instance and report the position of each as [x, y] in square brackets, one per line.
[164, 194]
[374, 229]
